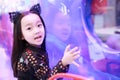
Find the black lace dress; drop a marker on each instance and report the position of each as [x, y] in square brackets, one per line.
[34, 65]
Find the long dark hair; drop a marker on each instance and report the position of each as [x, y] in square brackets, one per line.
[19, 44]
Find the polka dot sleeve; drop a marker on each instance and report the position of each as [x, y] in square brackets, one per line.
[59, 68]
[40, 67]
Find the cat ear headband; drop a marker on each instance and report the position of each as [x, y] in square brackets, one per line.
[15, 15]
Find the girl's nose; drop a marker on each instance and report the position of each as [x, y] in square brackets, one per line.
[36, 30]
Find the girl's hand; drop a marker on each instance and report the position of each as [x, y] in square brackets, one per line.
[70, 55]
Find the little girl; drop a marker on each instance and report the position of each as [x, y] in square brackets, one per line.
[29, 56]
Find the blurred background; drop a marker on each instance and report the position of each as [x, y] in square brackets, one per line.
[92, 25]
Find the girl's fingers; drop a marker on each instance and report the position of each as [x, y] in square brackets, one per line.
[73, 50]
[67, 48]
[76, 56]
[76, 53]
[75, 63]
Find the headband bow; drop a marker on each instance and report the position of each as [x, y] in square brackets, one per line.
[15, 15]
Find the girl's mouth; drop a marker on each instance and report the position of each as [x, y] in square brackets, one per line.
[38, 37]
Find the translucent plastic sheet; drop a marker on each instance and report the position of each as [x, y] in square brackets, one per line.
[68, 22]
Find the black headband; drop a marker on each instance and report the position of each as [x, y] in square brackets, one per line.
[15, 15]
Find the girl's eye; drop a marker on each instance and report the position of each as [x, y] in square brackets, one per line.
[29, 28]
[39, 25]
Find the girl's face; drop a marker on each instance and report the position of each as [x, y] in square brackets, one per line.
[32, 29]
[61, 26]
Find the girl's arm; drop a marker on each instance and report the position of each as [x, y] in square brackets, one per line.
[69, 56]
[41, 68]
